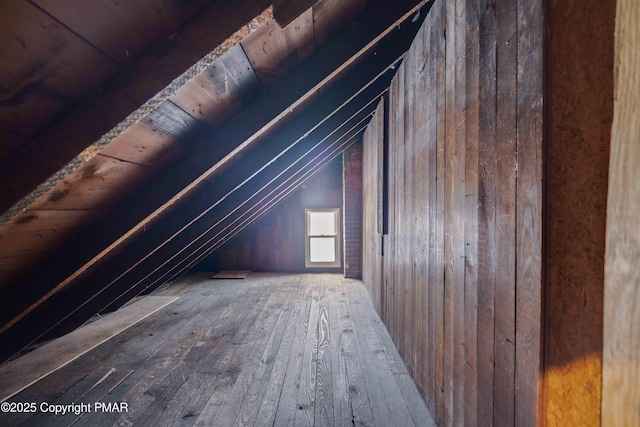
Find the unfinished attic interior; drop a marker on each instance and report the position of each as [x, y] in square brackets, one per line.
[473, 164]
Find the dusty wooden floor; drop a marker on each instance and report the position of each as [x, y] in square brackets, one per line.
[269, 350]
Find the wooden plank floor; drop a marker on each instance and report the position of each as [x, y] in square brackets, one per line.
[269, 350]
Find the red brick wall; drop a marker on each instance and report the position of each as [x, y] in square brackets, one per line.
[352, 191]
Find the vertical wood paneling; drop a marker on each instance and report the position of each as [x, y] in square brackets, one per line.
[454, 219]
[621, 372]
[463, 254]
[471, 113]
[410, 227]
[420, 217]
[372, 191]
[391, 270]
[458, 213]
[438, 245]
[432, 351]
[400, 178]
[390, 242]
[505, 286]
[529, 213]
[487, 165]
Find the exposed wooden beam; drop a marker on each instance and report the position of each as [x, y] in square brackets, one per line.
[158, 198]
[132, 88]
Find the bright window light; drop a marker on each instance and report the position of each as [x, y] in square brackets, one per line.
[322, 249]
[322, 223]
[323, 238]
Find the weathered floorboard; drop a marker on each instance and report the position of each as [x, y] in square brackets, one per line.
[272, 349]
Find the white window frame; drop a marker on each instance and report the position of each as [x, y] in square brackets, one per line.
[308, 237]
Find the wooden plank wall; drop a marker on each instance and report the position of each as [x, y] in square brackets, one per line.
[621, 362]
[267, 245]
[461, 276]
[371, 215]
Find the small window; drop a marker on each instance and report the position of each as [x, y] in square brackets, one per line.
[323, 238]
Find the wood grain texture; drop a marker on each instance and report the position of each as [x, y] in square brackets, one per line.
[56, 217]
[273, 51]
[529, 203]
[487, 168]
[371, 218]
[51, 68]
[621, 358]
[233, 353]
[387, 405]
[125, 45]
[165, 258]
[144, 144]
[221, 90]
[149, 75]
[465, 212]
[471, 206]
[452, 224]
[358, 401]
[96, 185]
[174, 180]
[170, 119]
[578, 104]
[429, 209]
[25, 371]
[439, 22]
[506, 176]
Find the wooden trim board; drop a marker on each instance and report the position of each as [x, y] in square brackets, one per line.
[18, 374]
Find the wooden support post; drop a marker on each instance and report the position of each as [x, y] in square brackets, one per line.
[621, 364]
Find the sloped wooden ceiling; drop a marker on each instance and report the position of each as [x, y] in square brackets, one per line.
[215, 156]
